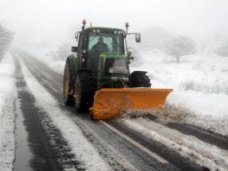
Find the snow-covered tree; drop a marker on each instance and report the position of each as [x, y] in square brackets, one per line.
[223, 50]
[180, 46]
[5, 38]
[63, 51]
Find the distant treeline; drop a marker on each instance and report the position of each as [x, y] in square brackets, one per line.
[5, 39]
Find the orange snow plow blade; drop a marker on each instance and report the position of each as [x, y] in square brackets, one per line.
[109, 103]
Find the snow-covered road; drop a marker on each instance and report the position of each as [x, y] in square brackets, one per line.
[123, 144]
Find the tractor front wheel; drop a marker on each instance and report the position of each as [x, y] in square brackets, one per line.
[68, 82]
[84, 91]
[139, 79]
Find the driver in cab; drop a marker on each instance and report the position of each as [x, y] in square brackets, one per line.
[100, 46]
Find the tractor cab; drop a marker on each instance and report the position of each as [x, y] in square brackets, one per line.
[104, 52]
[106, 56]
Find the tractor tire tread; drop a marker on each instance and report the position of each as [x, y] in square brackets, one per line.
[69, 100]
[87, 87]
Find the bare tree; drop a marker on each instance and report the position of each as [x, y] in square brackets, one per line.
[180, 46]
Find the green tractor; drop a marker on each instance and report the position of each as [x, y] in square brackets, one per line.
[100, 64]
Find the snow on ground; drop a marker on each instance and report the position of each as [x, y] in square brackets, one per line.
[208, 111]
[8, 95]
[189, 147]
[81, 147]
[200, 86]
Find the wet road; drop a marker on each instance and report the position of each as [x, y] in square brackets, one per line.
[121, 148]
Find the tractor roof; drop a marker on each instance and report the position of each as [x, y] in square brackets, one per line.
[103, 28]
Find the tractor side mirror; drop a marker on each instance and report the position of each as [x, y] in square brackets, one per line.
[138, 37]
[129, 56]
[77, 36]
[74, 49]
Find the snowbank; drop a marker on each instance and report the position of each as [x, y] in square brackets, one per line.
[8, 95]
[208, 111]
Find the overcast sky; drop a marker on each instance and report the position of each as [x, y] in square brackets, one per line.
[49, 22]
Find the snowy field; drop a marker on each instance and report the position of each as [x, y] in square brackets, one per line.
[8, 95]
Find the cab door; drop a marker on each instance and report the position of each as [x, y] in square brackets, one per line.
[82, 49]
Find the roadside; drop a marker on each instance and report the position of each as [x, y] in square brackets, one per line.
[8, 96]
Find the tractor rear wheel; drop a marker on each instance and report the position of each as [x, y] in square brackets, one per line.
[68, 84]
[84, 91]
[139, 79]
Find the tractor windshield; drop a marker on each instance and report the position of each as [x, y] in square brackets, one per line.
[106, 42]
[102, 41]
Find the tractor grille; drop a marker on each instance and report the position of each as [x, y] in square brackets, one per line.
[116, 67]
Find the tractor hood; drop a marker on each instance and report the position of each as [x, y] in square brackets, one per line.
[116, 55]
